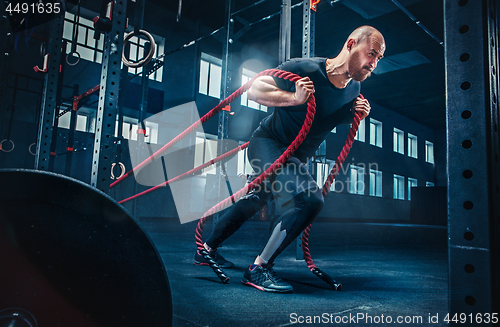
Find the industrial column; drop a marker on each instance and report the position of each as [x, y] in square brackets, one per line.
[471, 54]
[308, 31]
[222, 134]
[285, 30]
[5, 36]
[104, 143]
[49, 97]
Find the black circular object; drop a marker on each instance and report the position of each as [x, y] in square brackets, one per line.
[464, 57]
[469, 268]
[467, 174]
[72, 256]
[466, 114]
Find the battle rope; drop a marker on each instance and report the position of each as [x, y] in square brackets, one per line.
[311, 110]
[326, 188]
[188, 173]
[305, 235]
[207, 116]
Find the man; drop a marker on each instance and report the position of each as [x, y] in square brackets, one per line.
[335, 83]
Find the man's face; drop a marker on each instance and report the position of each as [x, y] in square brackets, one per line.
[364, 58]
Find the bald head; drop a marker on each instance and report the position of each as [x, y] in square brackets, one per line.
[366, 33]
[363, 49]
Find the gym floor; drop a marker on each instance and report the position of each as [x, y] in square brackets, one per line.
[390, 273]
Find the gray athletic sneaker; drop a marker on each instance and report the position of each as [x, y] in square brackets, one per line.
[263, 278]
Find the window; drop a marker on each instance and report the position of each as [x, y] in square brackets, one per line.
[210, 75]
[429, 184]
[91, 49]
[412, 145]
[204, 151]
[130, 127]
[375, 132]
[322, 173]
[84, 120]
[399, 145]
[399, 187]
[137, 52]
[360, 135]
[244, 166]
[429, 152]
[245, 77]
[412, 182]
[375, 183]
[357, 185]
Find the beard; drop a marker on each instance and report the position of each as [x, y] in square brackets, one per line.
[356, 72]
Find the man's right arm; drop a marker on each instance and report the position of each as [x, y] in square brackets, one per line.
[265, 92]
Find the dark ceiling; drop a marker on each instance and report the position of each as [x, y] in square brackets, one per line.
[416, 92]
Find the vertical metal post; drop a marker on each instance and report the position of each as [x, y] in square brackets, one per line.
[471, 60]
[141, 125]
[49, 97]
[285, 30]
[104, 146]
[222, 133]
[116, 192]
[55, 126]
[308, 31]
[4, 59]
[72, 131]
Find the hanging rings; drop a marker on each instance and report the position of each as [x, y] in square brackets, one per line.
[72, 54]
[6, 140]
[29, 149]
[122, 170]
[146, 59]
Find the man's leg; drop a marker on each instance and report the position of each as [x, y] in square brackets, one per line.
[235, 216]
[230, 222]
[303, 208]
[288, 227]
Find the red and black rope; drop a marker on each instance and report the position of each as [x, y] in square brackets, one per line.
[311, 109]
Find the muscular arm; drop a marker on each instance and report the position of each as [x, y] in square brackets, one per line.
[265, 92]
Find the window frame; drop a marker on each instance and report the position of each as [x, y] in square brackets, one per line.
[398, 141]
[412, 182]
[213, 64]
[398, 187]
[359, 178]
[361, 134]
[375, 183]
[375, 133]
[412, 146]
[429, 152]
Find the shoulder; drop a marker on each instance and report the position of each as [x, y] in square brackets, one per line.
[303, 66]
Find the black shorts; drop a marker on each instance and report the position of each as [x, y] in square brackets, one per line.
[292, 179]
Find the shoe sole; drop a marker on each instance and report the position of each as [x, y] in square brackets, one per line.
[264, 289]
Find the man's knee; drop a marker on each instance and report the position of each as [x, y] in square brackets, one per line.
[312, 201]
